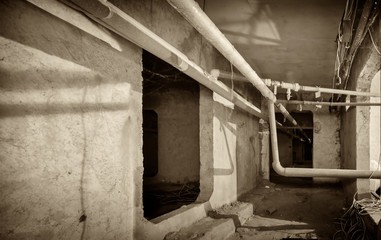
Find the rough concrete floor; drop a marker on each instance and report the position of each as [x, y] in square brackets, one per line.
[297, 211]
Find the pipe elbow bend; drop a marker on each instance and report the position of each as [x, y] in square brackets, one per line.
[279, 169]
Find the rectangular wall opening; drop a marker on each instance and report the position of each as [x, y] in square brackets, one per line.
[171, 146]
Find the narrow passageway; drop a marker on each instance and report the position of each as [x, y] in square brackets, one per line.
[297, 210]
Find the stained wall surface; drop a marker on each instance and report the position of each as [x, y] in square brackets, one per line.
[326, 142]
[356, 120]
[236, 152]
[70, 127]
[374, 131]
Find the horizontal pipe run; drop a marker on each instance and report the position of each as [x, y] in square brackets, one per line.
[295, 86]
[328, 103]
[127, 27]
[309, 172]
[287, 115]
[339, 91]
[192, 12]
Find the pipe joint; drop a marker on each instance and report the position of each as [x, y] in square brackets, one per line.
[267, 81]
[278, 168]
[215, 73]
[296, 87]
[182, 64]
[288, 93]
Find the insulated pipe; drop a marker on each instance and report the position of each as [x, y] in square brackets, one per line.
[192, 12]
[294, 86]
[287, 115]
[284, 111]
[308, 172]
[328, 103]
[127, 27]
[226, 75]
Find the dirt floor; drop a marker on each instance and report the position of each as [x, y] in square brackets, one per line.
[297, 210]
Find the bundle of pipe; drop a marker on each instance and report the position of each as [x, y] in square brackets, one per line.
[124, 25]
[192, 12]
[309, 172]
[297, 102]
[293, 86]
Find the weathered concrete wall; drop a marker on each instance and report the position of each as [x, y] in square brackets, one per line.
[374, 131]
[70, 127]
[326, 142]
[355, 121]
[236, 152]
[177, 108]
[348, 146]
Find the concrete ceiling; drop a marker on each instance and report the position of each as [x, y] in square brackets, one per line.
[285, 40]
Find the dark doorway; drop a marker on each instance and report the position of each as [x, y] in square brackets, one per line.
[295, 145]
[171, 148]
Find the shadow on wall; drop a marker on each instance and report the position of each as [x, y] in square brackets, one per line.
[42, 30]
[243, 153]
[62, 108]
[226, 171]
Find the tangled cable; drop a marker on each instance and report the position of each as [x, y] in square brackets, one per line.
[352, 225]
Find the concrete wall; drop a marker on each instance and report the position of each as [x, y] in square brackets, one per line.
[70, 127]
[374, 131]
[177, 108]
[236, 151]
[355, 140]
[326, 142]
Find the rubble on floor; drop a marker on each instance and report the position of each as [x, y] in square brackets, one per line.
[273, 211]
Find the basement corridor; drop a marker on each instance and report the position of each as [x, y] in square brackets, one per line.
[298, 210]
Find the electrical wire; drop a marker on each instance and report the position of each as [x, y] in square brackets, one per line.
[352, 225]
[232, 76]
[374, 44]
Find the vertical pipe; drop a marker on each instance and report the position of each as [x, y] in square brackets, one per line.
[274, 139]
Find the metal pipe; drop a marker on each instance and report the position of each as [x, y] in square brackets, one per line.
[295, 86]
[127, 27]
[226, 75]
[192, 12]
[338, 91]
[308, 172]
[328, 103]
[287, 115]
[284, 111]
